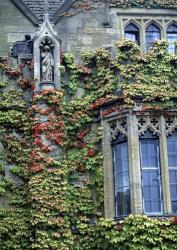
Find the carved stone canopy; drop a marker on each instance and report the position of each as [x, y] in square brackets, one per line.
[46, 56]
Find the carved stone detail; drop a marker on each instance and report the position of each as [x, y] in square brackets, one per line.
[118, 126]
[143, 124]
[47, 60]
[148, 122]
[170, 125]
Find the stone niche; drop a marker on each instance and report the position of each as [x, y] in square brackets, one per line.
[46, 57]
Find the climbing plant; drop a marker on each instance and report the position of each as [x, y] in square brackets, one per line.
[144, 3]
[15, 228]
[51, 185]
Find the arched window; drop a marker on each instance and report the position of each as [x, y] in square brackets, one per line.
[152, 34]
[132, 33]
[121, 176]
[171, 37]
[151, 176]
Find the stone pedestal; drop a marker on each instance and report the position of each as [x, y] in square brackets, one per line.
[47, 86]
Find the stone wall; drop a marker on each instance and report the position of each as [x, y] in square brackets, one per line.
[13, 26]
[86, 31]
[83, 30]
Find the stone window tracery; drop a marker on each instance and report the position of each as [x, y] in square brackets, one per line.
[149, 29]
[148, 122]
[143, 149]
[118, 126]
[170, 125]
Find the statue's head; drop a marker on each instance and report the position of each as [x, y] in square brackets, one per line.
[46, 48]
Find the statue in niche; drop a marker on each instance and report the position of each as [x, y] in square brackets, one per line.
[47, 64]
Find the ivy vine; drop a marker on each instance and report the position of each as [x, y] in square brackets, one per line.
[56, 201]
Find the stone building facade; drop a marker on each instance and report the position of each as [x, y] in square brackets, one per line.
[139, 148]
[99, 24]
[83, 26]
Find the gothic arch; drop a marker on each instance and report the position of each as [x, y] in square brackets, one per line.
[171, 22]
[155, 23]
[134, 22]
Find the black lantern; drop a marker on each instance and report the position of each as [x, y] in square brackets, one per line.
[22, 47]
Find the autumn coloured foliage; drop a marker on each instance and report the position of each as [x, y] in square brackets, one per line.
[51, 154]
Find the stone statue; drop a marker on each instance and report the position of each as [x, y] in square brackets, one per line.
[47, 64]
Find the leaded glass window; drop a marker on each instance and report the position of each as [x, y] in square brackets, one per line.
[172, 165]
[152, 34]
[121, 176]
[132, 33]
[171, 37]
[151, 177]
[141, 144]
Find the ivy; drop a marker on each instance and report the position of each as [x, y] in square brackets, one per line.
[54, 191]
[143, 3]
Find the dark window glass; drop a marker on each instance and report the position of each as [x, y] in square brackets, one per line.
[121, 177]
[152, 34]
[150, 168]
[172, 164]
[171, 37]
[132, 33]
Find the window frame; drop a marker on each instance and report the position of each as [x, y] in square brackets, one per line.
[158, 169]
[133, 132]
[169, 167]
[143, 22]
[119, 141]
[171, 50]
[133, 32]
[149, 43]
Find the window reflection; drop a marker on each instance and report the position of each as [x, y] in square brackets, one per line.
[132, 33]
[152, 34]
[171, 37]
[121, 176]
[150, 168]
[172, 165]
